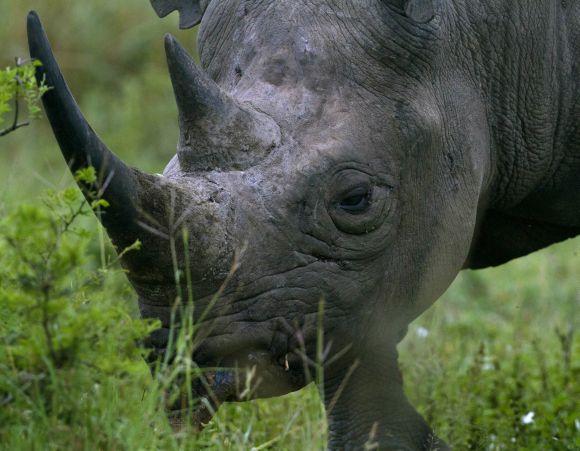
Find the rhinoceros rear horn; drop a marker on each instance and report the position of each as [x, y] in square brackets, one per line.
[116, 183]
[217, 132]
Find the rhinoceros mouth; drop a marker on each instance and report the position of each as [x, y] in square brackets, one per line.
[236, 376]
[276, 357]
[218, 386]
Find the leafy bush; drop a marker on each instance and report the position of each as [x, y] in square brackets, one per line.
[18, 85]
[65, 327]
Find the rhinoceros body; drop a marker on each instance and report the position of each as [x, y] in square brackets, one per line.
[355, 152]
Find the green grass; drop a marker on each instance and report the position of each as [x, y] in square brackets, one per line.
[501, 345]
[495, 347]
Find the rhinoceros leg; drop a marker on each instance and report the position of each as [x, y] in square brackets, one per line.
[367, 409]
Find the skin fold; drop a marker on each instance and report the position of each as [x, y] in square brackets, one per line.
[339, 162]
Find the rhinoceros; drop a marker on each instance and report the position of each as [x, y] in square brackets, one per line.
[339, 162]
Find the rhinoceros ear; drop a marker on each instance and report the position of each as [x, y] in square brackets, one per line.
[421, 11]
[190, 11]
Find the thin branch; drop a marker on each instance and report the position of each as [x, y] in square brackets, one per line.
[16, 95]
[61, 230]
[8, 130]
[15, 124]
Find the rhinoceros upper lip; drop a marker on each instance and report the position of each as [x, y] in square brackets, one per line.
[284, 353]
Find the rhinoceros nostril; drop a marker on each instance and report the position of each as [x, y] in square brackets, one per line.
[256, 358]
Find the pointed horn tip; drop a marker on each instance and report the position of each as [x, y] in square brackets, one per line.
[33, 18]
[39, 47]
[173, 48]
[179, 61]
[34, 26]
[38, 40]
[170, 41]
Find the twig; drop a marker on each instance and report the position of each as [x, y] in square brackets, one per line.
[15, 124]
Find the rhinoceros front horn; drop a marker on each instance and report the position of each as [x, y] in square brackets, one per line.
[217, 132]
[120, 185]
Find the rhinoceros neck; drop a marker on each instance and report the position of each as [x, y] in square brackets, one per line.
[523, 59]
[522, 62]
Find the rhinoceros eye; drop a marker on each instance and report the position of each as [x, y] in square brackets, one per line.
[356, 201]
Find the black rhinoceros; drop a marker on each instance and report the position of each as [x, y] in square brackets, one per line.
[360, 152]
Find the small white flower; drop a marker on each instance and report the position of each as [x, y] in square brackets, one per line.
[422, 332]
[528, 418]
[577, 424]
[487, 364]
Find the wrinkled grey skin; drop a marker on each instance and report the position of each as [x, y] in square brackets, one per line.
[452, 123]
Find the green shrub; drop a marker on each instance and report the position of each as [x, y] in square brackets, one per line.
[66, 328]
[18, 85]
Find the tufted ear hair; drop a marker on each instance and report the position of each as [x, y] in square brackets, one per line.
[421, 11]
[190, 11]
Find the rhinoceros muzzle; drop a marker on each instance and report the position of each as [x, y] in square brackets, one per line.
[233, 368]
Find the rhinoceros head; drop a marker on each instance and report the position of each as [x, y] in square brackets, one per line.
[315, 166]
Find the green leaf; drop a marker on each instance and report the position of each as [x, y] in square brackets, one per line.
[86, 175]
[100, 203]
